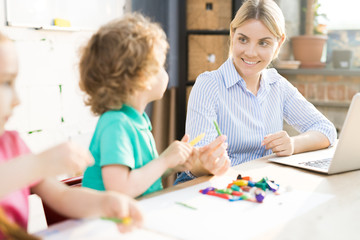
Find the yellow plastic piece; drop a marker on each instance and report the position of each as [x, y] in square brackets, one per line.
[197, 139]
[59, 22]
[125, 220]
[240, 183]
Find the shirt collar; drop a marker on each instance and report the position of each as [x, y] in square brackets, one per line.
[142, 121]
[232, 77]
[268, 78]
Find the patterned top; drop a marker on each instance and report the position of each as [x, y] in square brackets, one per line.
[246, 119]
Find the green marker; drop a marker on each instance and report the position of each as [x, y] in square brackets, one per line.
[186, 205]
[217, 128]
[125, 221]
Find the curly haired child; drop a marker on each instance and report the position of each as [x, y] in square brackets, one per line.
[121, 71]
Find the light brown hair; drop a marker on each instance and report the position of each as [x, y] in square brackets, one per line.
[118, 59]
[266, 11]
[11, 230]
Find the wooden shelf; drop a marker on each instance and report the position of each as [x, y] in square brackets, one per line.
[321, 71]
[51, 28]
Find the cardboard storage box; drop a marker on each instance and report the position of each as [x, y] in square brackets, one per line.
[208, 14]
[206, 53]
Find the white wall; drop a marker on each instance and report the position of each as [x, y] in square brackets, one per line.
[49, 59]
[291, 11]
[82, 14]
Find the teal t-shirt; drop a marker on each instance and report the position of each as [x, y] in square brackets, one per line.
[121, 137]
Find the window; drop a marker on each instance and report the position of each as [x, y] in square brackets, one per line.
[342, 15]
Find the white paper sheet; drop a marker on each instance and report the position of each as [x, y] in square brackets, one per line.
[95, 229]
[217, 218]
[81, 229]
[214, 218]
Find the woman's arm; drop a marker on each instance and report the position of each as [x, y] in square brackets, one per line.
[201, 114]
[303, 116]
[317, 131]
[309, 141]
[282, 145]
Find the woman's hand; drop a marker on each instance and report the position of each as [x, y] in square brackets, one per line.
[280, 143]
[213, 158]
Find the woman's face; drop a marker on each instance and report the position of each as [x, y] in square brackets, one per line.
[8, 73]
[254, 47]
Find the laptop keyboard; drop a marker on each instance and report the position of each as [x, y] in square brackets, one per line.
[321, 163]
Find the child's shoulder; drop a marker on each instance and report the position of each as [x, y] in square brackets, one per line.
[116, 123]
[126, 119]
[115, 116]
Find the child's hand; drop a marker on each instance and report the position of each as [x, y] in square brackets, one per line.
[177, 153]
[64, 158]
[190, 162]
[214, 157]
[120, 206]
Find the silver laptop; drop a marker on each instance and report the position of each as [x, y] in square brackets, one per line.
[345, 156]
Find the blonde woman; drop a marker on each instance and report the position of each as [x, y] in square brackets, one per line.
[250, 100]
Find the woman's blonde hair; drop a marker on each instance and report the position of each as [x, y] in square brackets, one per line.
[118, 60]
[266, 11]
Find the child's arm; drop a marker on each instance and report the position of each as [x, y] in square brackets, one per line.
[135, 182]
[18, 173]
[87, 203]
[25, 170]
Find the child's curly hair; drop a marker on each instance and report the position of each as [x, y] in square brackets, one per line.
[118, 60]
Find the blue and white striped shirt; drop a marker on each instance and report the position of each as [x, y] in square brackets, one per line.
[244, 118]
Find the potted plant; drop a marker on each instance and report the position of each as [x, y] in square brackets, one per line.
[308, 48]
